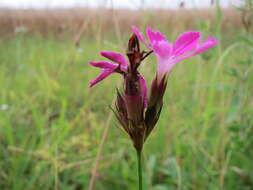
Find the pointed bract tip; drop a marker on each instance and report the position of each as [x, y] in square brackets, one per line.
[91, 84]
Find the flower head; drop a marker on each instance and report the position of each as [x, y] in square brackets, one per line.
[132, 100]
[136, 113]
[169, 54]
[108, 68]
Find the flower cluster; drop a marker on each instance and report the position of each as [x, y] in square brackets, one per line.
[137, 113]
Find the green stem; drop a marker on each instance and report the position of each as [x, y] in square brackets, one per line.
[139, 169]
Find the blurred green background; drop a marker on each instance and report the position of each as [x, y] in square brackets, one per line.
[53, 128]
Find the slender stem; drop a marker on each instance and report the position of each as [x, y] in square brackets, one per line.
[139, 169]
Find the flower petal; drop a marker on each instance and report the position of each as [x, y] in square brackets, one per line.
[164, 66]
[154, 36]
[143, 84]
[186, 43]
[116, 57]
[139, 35]
[103, 64]
[104, 73]
[208, 43]
[162, 49]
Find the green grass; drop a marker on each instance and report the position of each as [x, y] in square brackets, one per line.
[51, 123]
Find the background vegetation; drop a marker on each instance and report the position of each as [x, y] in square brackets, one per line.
[56, 133]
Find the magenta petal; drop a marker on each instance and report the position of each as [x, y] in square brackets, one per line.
[154, 36]
[186, 43]
[164, 66]
[162, 49]
[104, 64]
[210, 42]
[139, 35]
[116, 57]
[104, 73]
[143, 84]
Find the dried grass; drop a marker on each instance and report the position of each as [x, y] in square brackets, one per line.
[59, 21]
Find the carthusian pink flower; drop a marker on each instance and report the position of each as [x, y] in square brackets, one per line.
[169, 54]
[132, 100]
[136, 113]
[108, 68]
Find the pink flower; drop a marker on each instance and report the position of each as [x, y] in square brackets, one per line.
[138, 115]
[168, 54]
[108, 68]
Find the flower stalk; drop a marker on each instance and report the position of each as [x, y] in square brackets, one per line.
[139, 168]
